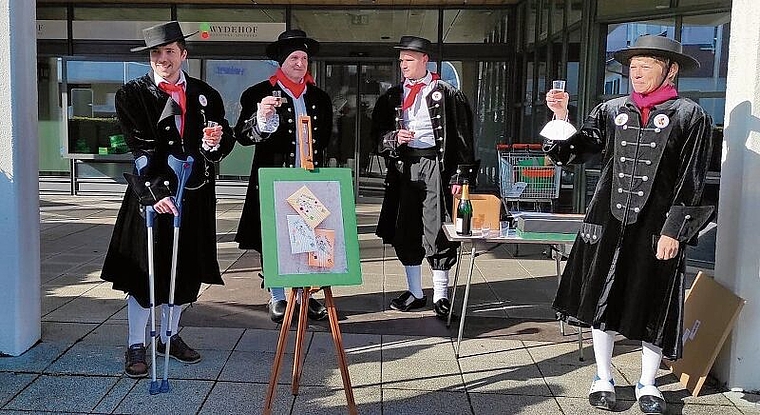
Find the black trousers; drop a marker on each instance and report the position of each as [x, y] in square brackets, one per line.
[421, 214]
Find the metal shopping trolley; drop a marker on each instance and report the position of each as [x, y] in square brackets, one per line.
[526, 175]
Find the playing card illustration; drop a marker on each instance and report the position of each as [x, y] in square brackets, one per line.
[302, 238]
[311, 209]
[324, 255]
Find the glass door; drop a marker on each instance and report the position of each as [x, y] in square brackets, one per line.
[354, 89]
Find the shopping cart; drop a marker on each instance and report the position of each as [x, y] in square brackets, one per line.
[526, 175]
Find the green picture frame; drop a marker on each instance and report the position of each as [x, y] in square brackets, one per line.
[284, 261]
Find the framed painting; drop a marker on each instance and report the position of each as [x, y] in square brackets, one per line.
[308, 227]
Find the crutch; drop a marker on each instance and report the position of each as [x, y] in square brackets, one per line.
[150, 214]
[181, 168]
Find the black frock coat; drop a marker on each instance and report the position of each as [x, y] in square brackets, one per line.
[452, 122]
[651, 184]
[146, 114]
[277, 149]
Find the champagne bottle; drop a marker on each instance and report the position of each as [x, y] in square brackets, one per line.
[464, 212]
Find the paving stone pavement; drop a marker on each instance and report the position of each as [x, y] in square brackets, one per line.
[513, 360]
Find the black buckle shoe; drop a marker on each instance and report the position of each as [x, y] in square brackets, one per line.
[602, 394]
[407, 301]
[650, 399]
[316, 311]
[277, 310]
[442, 307]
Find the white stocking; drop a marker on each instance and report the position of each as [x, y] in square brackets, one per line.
[165, 319]
[137, 316]
[651, 356]
[604, 342]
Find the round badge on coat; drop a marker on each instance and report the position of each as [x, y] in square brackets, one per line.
[437, 95]
[661, 120]
[202, 99]
[621, 119]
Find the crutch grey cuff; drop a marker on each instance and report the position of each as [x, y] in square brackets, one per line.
[148, 191]
[684, 222]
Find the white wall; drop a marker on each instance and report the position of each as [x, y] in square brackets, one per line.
[20, 308]
[738, 242]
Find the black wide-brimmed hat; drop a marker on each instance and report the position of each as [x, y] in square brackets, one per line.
[417, 44]
[659, 46]
[160, 35]
[290, 41]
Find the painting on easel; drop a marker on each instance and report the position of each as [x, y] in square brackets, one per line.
[308, 227]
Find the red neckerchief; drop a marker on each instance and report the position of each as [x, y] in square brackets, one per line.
[176, 88]
[295, 88]
[415, 89]
[646, 102]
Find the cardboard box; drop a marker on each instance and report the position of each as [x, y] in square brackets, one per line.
[485, 207]
[710, 312]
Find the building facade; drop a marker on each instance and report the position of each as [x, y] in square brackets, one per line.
[503, 56]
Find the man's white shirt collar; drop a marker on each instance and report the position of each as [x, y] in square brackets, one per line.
[181, 81]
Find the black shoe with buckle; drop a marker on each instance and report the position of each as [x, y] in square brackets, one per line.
[179, 350]
[602, 394]
[277, 310]
[650, 399]
[442, 308]
[407, 301]
[135, 365]
[316, 310]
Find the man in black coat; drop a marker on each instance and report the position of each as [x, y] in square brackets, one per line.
[165, 113]
[269, 123]
[424, 130]
[625, 273]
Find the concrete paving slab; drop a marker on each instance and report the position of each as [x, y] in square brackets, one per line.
[244, 399]
[259, 340]
[34, 360]
[494, 377]
[404, 401]
[62, 393]
[418, 348]
[255, 367]
[218, 338]
[185, 397]
[118, 392]
[208, 368]
[320, 400]
[748, 403]
[86, 310]
[13, 383]
[486, 404]
[88, 359]
[65, 333]
[424, 375]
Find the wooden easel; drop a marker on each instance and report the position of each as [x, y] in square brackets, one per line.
[332, 315]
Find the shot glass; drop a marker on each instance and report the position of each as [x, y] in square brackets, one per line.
[485, 229]
[558, 85]
[277, 94]
[212, 125]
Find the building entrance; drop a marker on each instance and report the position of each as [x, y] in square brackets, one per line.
[354, 89]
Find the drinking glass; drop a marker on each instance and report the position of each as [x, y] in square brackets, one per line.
[277, 94]
[485, 229]
[558, 85]
[211, 124]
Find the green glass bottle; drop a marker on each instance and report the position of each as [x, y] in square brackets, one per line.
[464, 212]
